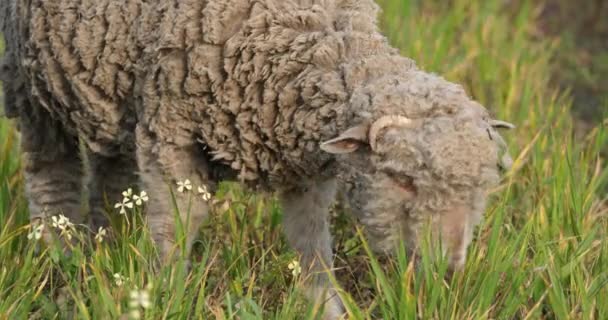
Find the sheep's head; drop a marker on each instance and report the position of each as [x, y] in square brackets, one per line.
[402, 171]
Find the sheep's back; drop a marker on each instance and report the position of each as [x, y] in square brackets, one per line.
[89, 62]
[257, 82]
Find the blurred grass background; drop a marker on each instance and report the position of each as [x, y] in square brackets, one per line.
[541, 253]
[581, 64]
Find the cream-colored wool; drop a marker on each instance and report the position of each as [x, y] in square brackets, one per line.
[281, 95]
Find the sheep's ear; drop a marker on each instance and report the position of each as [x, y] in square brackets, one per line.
[349, 141]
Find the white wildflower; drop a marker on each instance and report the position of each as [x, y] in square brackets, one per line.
[185, 185]
[140, 298]
[141, 198]
[204, 193]
[295, 267]
[127, 193]
[126, 203]
[119, 280]
[55, 221]
[101, 233]
[36, 232]
[62, 222]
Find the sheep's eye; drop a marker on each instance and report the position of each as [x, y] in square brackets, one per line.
[402, 181]
[405, 183]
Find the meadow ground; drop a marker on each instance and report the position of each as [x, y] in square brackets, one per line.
[541, 252]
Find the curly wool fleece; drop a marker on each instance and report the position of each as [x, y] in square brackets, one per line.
[260, 82]
[281, 95]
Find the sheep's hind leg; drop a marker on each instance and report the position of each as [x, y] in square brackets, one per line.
[162, 166]
[53, 168]
[306, 214]
[110, 176]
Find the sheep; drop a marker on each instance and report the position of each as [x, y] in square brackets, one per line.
[295, 97]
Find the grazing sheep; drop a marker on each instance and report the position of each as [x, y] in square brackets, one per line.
[287, 96]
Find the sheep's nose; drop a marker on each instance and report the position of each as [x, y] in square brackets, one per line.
[454, 234]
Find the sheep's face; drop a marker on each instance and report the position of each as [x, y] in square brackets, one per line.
[406, 172]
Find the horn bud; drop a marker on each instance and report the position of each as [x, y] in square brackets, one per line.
[384, 122]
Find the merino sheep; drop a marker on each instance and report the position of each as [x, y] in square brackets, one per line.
[282, 95]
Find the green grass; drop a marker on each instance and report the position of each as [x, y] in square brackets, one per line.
[542, 251]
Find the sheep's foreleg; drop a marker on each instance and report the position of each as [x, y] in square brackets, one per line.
[109, 177]
[52, 167]
[161, 166]
[307, 229]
